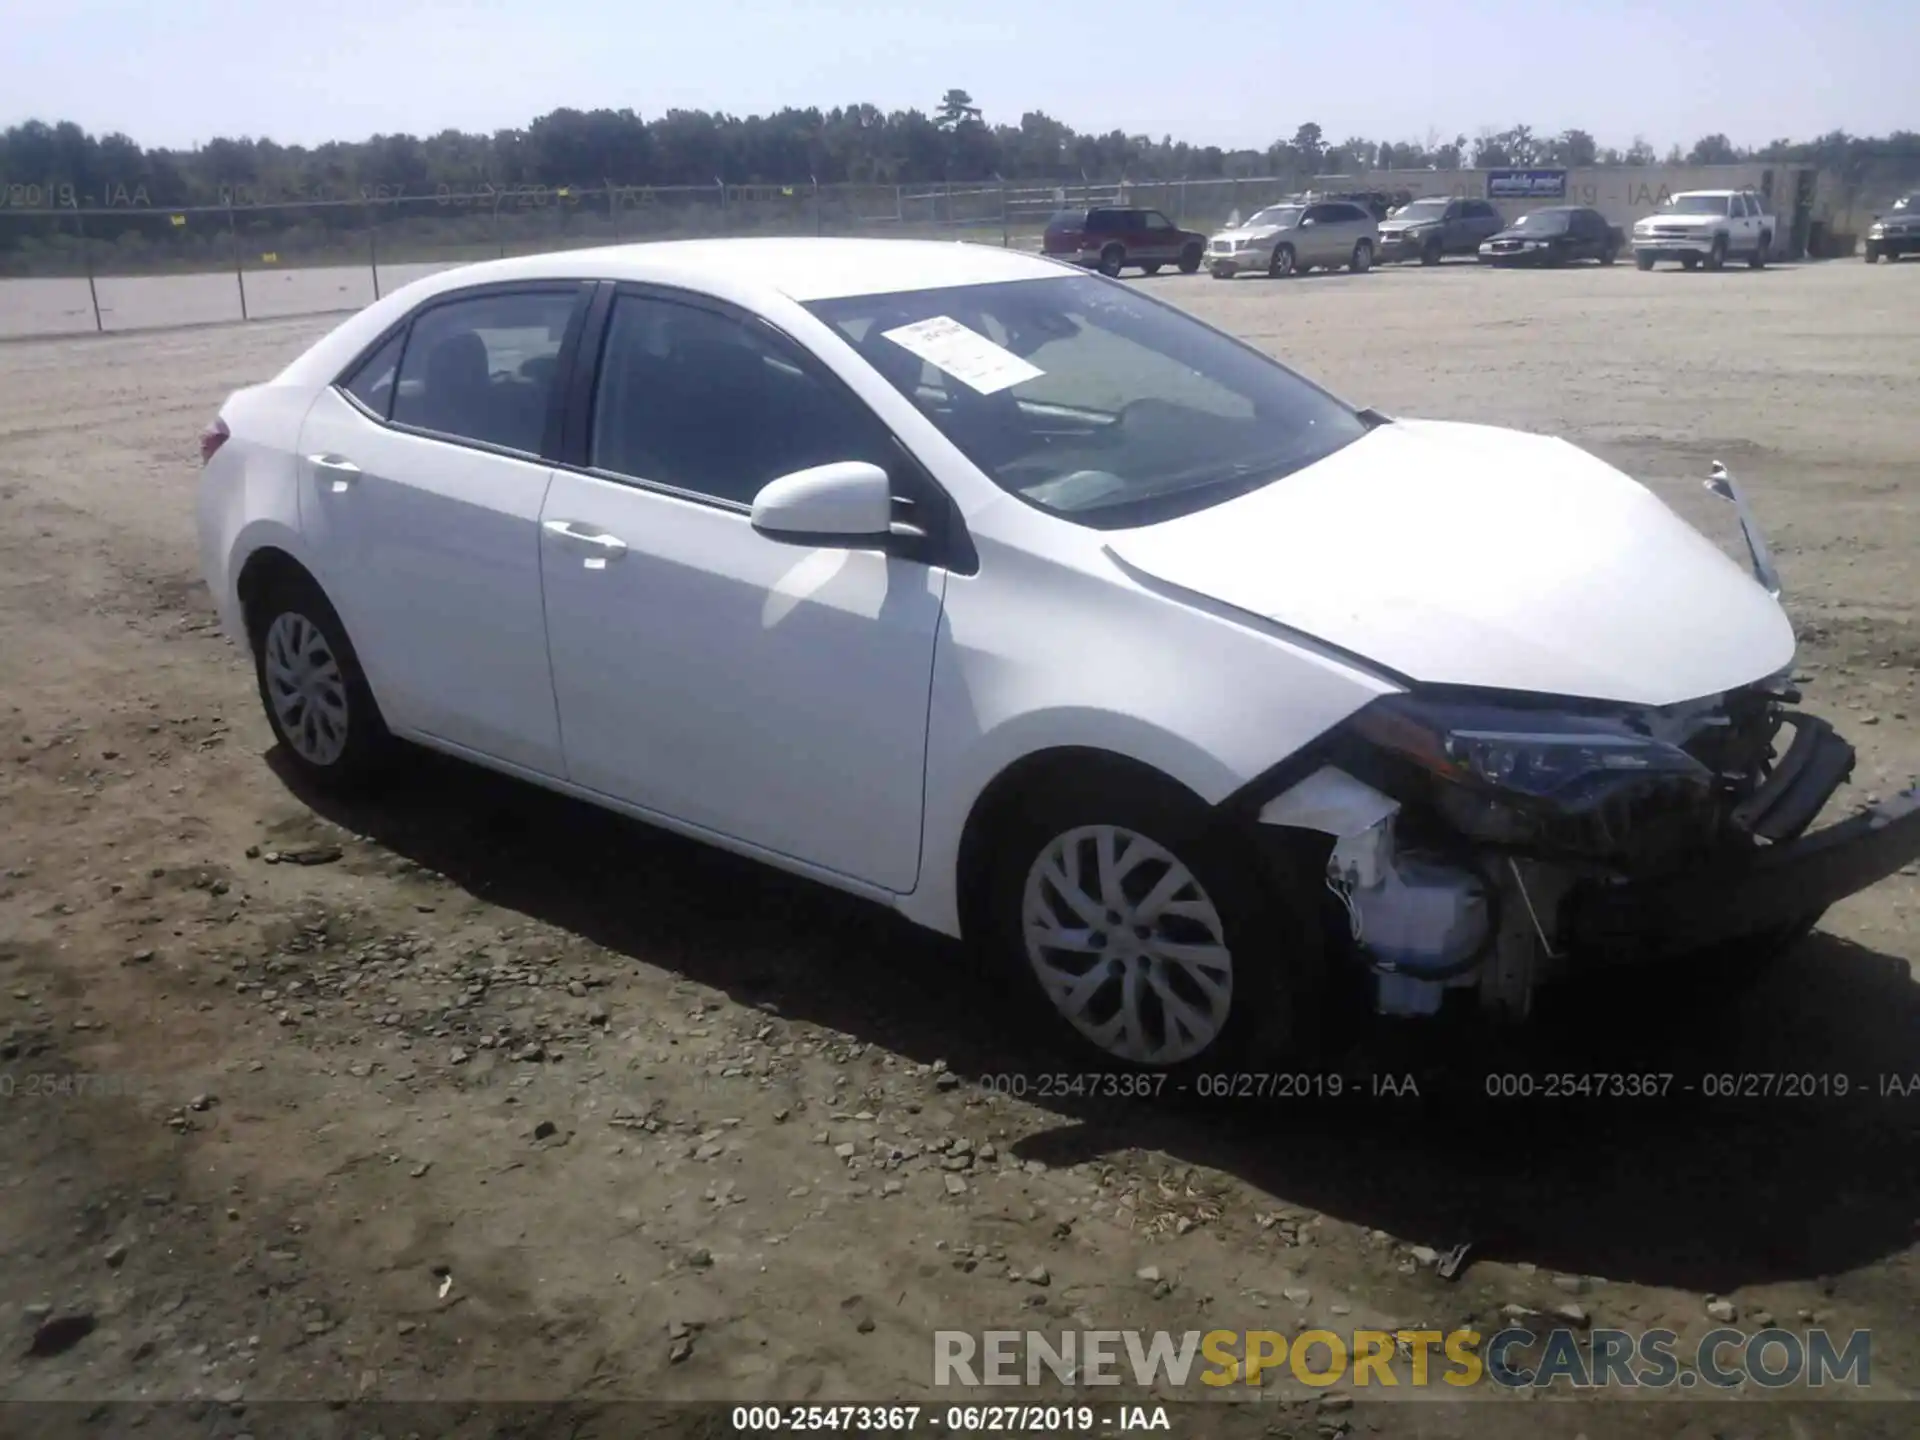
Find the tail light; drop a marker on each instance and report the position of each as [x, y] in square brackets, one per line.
[212, 438]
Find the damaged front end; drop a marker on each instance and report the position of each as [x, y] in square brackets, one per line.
[1489, 842]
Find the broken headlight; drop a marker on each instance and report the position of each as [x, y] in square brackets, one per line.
[1589, 785]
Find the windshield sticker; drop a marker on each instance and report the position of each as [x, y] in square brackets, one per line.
[967, 355]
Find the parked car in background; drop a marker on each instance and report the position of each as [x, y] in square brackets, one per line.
[1897, 232]
[1047, 615]
[1555, 236]
[1377, 203]
[1294, 237]
[1430, 229]
[1705, 227]
[1109, 238]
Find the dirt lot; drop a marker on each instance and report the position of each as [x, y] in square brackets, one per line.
[477, 1094]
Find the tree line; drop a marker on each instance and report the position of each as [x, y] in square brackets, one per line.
[61, 165]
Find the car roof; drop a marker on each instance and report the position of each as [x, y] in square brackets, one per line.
[763, 274]
[802, 268]
[1718, 194]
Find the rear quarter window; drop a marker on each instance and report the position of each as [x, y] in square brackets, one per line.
[372, 382]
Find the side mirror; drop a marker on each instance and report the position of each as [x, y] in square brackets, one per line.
[849, 502]
[1308, 221]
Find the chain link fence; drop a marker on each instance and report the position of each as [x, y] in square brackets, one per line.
[66, 270]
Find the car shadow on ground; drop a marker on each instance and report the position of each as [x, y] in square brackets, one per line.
[1683, 1188]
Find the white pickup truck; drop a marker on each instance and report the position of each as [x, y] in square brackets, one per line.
[1706, 227]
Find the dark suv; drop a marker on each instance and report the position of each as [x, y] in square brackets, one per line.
[1434, 227]
[1111, 237]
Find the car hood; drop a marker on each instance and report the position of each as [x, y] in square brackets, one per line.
[1671, 218]
[1467, 555]
[1244, 232]
[1394, 227]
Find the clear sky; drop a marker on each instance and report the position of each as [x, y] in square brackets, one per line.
[177, 72]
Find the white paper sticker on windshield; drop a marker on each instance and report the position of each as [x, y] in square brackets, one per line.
[967, 355]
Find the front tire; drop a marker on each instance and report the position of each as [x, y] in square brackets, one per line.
[1758, 260]
[1727, 971]
[315, 693]
[1431, 253]
[1362, 260]
[1280, 264]
[1643, 262]
[1717, 254]
[1872, 256]
[1148, 938]
[1609, 254]
[1190, 260]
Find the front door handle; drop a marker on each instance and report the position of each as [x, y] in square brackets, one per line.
[603, 547]
[341, 471]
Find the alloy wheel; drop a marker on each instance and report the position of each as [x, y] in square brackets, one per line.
[1127, 945]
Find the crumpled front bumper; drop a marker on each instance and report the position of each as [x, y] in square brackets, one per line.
[1790, 877]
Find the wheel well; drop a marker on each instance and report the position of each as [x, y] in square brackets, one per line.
[263, 569]
[1022, 782]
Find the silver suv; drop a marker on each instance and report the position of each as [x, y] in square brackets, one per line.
[1295, 236]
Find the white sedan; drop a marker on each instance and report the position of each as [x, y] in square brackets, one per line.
[1025, 603]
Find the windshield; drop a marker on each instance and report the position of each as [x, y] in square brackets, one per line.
[1696, 205]
[1422, 210]
[1091, 401]
[1543, 222]
[1280, 215]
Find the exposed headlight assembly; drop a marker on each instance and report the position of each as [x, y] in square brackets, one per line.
[1566, 782]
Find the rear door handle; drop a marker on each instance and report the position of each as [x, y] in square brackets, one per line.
[341, 471]
[601, 546]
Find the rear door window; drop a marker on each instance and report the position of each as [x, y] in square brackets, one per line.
[483, 369]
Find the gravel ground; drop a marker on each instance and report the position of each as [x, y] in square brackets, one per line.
[474, 1093]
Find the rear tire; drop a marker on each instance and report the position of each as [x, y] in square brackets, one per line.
[315, 693]
[1184, 955]
[1111, 259]
[1689, 262]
